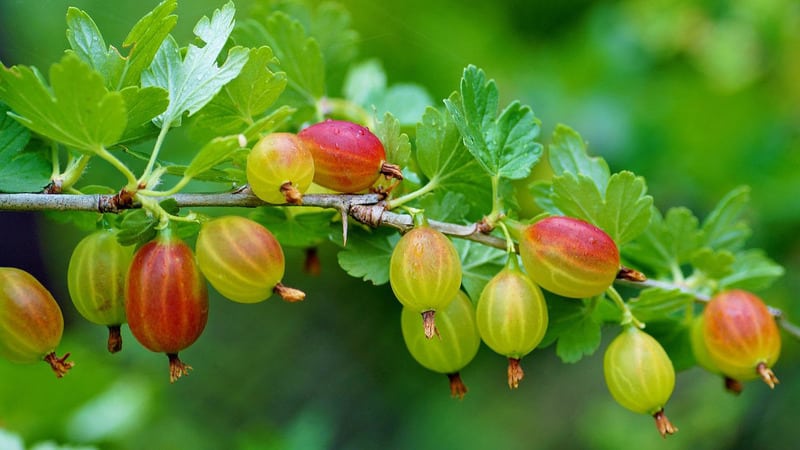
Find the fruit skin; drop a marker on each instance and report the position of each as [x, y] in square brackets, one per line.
[699, 348]
[458, 341]
[240, 258]
[96, 281]
[166, 298]
[640, 375]
[425, 270]
[347, 156]
[512, 317]
[31, 323]
[741, 335]
[569, 257]
[277, 159]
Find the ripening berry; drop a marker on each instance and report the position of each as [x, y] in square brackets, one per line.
[742, 337]
[280, 168]
[347, 156]
[703, 359]
[569, 257]
[457, 345]
[31, 323]
[425, 273]
[96, 281]
[166, 299]
[640, 375]
[512, 317]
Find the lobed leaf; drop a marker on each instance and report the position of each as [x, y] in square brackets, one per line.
[724, 228]
[503, 144]
[88, 44]
[215, 152]
[145, 38]
[368, 253]
[657, 303]
[395, 142]
[752, 270]
[479, 263]
[572, 325]
[567, 153]
[21, 169]
[295, 227]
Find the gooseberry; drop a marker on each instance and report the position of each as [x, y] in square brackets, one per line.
[280, 168]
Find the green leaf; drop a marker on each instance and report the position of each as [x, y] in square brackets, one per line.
[572, 324]
[215, 152]
[567, 153]
[269, 123]
[242, 101]
[77, 111]
[395, 142]
[142, 104]
[479, 263]
[368, 253]
[145, 38]
[724, 228]
[623, 209]
[503, 144]
[21, 169]
[674, 335]
[295, 226]
[136, 227]
[364, 82]
[449, 166]
[656, 303]
[667, 243]
[87, 42]
[752, 271]
[714, 264]
[451, 207]
[194, 80]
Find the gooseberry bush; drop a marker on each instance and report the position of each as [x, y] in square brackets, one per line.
[418, 193]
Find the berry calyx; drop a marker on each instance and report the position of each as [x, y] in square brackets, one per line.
[31, 323]
[640, 375]
[456, 346]
[742, 337]
[347, 156]
[166, 299]
[280, 169]
[512, 317]
[242, 260]
[425, 273]
[569, 257]
[96, 281]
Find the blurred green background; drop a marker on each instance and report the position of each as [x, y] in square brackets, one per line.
[698, 97]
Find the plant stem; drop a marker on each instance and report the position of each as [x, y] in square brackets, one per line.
[627, 315]
[154, 156]
[122, 168]
[399, 201]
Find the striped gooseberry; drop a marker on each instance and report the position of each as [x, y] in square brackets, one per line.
[741, 336]
[512, 317]
[640, 375]
[242, 260]
[280, 168]
[166, 299]
[347, 156]
[425, 273]
[569, 257]
[96, 282]
[457, 345]
[31, 323]
[703, 359]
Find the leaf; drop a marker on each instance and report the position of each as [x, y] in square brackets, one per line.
[395, 142]
[724, 228]
[504, 145]
[242, 101]
[368, 253]
[451, 207]
[145, 38]
[194, 80]
[406, 101]
[21, 169]
[567, 153]
[269, 123]
[215, 152]
[295, 227]
[142, 104]
[714, 264]
[572, 324]
[87, 42]
[667, 243]
[136, 227]
[479, 263]
[364, 82]
[752, 271]
[623, 211]
[77, 110]
[449, 166]
[656, 303]
[674, 336]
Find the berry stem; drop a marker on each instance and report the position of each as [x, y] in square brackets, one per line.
[177, 368]
[515, 373]
[114, 339]
[457, 387]
[767, 375]
[429, 324]
[627, 315]
[289, 294]
[663, 424]
[59, 365]
[292, 195]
